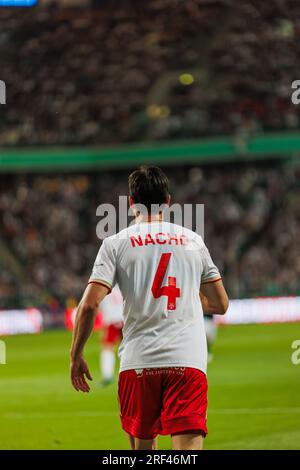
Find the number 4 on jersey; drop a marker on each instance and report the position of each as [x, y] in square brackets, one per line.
[171, 291]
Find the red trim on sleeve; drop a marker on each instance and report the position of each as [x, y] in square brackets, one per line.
[102, 284]
[213, 280]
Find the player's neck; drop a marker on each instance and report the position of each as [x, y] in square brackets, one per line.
[141, 219]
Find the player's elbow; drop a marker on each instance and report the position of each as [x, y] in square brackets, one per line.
[223, 305]
[87, 308]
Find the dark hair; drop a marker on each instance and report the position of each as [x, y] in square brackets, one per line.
[148, 185]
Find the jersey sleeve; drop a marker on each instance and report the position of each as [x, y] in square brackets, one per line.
[210, 272]
[104, 270]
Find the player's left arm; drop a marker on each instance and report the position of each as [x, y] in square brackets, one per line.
[84, 322]
[213, 297]
[100, 284]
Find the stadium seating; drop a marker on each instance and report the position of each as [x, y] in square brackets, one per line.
[102, 69]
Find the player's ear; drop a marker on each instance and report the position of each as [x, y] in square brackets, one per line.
[130, 200]
[168, 200]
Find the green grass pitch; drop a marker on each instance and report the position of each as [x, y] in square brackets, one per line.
[254, 394]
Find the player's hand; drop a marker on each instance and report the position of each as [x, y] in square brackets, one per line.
[79, 373]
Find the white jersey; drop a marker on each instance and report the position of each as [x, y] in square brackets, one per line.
[159, 268]
[112, 307]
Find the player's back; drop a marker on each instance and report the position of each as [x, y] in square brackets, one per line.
[159, 267]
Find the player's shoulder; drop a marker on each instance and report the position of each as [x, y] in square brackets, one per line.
[115, 239]
[190, 234]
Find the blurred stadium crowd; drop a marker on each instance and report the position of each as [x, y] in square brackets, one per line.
[148, 70]
[251, 227]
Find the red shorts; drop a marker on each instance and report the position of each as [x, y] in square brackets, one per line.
[170, 400]
[112, 334]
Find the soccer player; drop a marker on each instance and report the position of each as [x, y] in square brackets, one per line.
[161, 268]
[112, 312]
